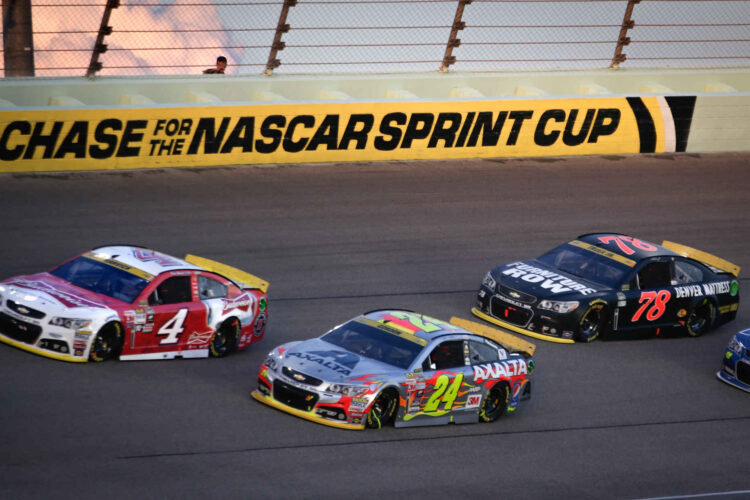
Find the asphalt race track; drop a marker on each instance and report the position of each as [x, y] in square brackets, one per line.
[613, 419]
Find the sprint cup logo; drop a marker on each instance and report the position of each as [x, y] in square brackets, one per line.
[221, 135]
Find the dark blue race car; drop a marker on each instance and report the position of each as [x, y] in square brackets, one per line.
[607, 283]
[735, 369]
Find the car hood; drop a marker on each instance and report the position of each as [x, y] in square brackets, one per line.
[331, 363]
[542, 281]
[53, 295]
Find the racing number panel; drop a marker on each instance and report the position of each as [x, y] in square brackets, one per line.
[652, 300]
[174, 318]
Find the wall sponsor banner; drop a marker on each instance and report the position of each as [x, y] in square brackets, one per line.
[153, 137]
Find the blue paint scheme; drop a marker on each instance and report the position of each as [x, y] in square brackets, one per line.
[735, 368]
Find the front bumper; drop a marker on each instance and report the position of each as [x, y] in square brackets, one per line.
[32, 334]
[735, 370]
[518, 329]
[307, 415]
[42, 352]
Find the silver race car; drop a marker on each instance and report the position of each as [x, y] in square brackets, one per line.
[399, 367]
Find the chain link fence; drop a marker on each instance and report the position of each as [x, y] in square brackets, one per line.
[183, 37]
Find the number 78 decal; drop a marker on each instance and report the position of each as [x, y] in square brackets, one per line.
[659, 300]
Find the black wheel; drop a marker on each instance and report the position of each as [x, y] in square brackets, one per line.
[495, 403]
[383, 409]
[592, 323]
[107, 343]
[225, 338]
[700, 318]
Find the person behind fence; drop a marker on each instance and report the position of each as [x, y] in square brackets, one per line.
[221, 65]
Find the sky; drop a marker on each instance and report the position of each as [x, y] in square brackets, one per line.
[371, 36]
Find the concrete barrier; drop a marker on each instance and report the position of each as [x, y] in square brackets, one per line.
[212, 120]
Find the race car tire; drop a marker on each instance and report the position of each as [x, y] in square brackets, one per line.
[700, 318]
[495, 403]
[107, 343]
[383, 409]
[224, 340]
[592, 323]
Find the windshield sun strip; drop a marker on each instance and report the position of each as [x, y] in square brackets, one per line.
[119, 265]
[404, 334]
[604, 253]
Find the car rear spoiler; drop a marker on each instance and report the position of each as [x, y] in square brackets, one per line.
[507, 340]
[702, 256]
[241, 277]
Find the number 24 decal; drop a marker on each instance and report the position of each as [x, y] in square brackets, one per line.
[445, 392]
[659, 300]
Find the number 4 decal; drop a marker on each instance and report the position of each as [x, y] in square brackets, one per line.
[173, 328]
[659, 299]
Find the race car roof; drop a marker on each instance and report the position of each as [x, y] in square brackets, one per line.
[143, 259]
[411, 323]
[625, 246]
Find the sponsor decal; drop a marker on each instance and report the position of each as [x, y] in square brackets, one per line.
[120, 265]
[199, 337]
[157, 258]
[140, 317]
[21, 317]
[260, 324]
[63, 297]
[688, 291]
[358, 403]
[499, 369]
[603, 252]
[243, 303]
[513, 302]
[546, 280]
[734, 288]
[337, 361]
[717, 288]
[473, 401]
[75, 139]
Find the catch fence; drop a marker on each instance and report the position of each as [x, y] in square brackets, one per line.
[184, 37]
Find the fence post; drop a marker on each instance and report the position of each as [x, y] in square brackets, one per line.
[623, 39]
[18, 38]
[277, 45]
[99, 46]
[458, 25]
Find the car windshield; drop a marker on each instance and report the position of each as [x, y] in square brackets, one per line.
[374, 343]
[585, 264]
[101, 278]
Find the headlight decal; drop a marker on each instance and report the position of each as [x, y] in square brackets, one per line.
[70, 323]
[489, 281]
[559, 306]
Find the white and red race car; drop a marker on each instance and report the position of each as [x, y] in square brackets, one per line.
[133, 303]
